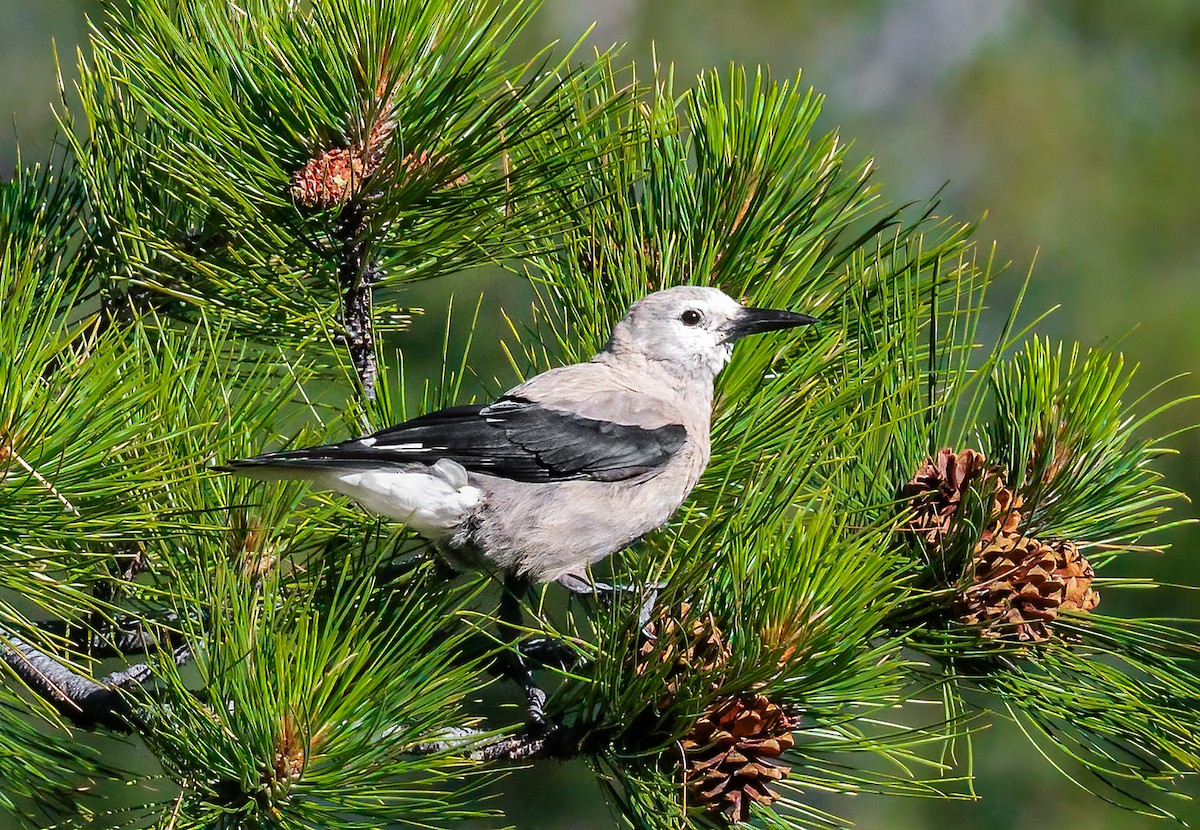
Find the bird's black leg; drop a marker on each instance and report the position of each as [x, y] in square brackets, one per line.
[513, 662]
[604, 593]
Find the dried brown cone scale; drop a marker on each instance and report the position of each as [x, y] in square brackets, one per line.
[1005, 515]
[731, 755]
[1022, 584]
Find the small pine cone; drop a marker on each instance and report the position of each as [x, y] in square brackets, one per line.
[1051, 447]
[684, 643]
[252, 546]
[335, 176]
[937, 489]
[1021, 584]
[731, 754]
[331, 178]
[790, 637]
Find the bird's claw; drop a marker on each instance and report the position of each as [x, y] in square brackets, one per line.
[535, 704]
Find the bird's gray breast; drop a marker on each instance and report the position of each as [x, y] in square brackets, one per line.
[548, 530]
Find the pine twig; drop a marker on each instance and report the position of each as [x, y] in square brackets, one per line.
[86, 703]
[558, 742]
[7, 450]
[125, 636]
[356, 277]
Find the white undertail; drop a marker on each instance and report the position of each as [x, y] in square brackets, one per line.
[434, 501]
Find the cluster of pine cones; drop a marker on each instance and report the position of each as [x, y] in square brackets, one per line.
[1020, 584]
[1015, 588]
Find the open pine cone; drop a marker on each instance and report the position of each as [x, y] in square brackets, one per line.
[686, 644]
[1021, 585]
[730, 754]
[937, 489]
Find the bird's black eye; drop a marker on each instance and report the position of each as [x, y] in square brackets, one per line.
[691, 317]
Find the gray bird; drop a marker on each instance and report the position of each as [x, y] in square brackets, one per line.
[565, 469]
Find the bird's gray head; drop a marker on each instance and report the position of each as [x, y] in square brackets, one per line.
[693, 328]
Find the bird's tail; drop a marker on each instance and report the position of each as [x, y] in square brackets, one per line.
[304, 465]
[432, 499]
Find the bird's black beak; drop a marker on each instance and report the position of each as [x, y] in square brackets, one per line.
[758, 320]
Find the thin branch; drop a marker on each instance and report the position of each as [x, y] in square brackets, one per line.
[7, 450]
[86, 703]
[124, 636]
[128, 561]
[558, 742]
[356, 277]
[81, 700]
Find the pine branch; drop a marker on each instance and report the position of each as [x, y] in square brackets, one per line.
[284, 169]
[555, 742]
[356, 274]
[84, 702]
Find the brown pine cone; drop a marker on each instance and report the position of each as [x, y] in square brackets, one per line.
[686, 644]
[731, 754]
[936, 492]
[1021, 585]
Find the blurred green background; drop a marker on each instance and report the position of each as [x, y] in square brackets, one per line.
[1074, 125]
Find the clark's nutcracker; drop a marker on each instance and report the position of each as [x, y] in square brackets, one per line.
[566, 468]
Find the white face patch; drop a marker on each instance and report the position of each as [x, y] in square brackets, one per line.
[721, 356]
[685, 326]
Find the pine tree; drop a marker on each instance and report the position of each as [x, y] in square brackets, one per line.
[212, 263]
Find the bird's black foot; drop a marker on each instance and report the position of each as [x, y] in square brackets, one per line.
[605, 594]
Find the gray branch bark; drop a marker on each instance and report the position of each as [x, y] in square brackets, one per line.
[558, 742]
[86, 703]
[356, 277]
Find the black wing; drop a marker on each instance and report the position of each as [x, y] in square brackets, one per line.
[513, 438]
